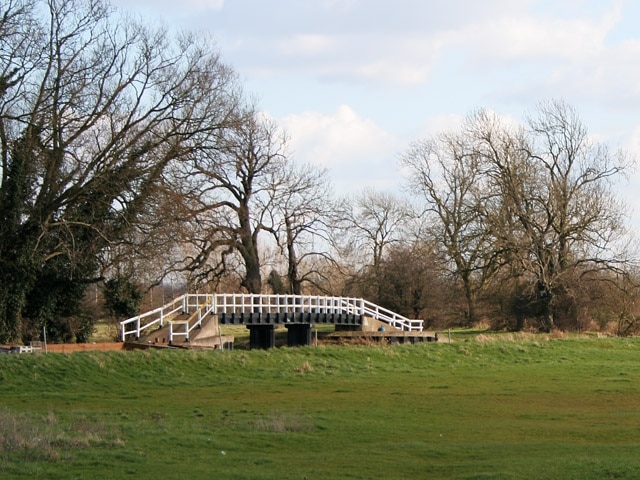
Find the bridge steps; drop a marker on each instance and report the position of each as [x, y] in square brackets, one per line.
[208, 335]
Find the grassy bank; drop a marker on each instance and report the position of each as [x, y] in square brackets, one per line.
[470, 410]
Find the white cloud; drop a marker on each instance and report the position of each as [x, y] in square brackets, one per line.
[361, 43]
[363, 58]
[455, 55]
[327, 139]
[446, 122]
[202, 5]
[370, 42]
[609, 76]
[170, 6]
[308, 44]
[578, 57]
[340, 5]
[356, 151]
[529, 38]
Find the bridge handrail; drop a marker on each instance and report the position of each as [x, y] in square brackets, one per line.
[370, 309]
[157, 315]
[184, 303]
[392, 318]
[202, 311]
[251, 303]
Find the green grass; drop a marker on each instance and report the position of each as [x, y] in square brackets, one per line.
[526, 409]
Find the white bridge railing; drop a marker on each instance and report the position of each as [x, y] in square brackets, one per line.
[200, 305]
[197, 304]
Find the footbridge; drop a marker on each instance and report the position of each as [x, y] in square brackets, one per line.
[261, 314]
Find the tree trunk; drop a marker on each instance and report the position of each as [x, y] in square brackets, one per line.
[547, 319]
[470, 297]
[295, 285]
[249, 251]
[547, 310]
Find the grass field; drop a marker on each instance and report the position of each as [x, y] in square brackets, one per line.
[491, 409]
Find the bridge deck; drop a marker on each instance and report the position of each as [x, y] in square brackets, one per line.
[289, 318]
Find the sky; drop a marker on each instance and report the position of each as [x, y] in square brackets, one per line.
[354, 82]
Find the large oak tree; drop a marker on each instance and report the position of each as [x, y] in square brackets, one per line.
[555, 212]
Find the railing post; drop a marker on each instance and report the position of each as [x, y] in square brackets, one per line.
[138, 328]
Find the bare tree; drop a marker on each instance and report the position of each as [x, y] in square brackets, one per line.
[555, 213]
[366, 227]
[447, 174]
[230, 197]
[303, 206]
[533, 201]
[414, 283]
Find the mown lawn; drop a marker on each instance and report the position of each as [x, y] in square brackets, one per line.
[565, 409]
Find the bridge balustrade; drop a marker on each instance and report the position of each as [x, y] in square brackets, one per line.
[247, 303]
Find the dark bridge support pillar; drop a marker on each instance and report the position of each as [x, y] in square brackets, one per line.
[298, 334]
[261, 336]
